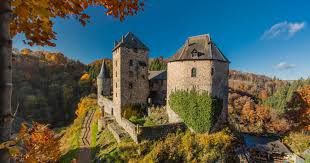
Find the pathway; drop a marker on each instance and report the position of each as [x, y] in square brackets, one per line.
[84, 155]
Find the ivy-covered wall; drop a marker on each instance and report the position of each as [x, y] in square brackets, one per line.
[197, 109]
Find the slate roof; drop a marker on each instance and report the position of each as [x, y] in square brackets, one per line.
[130, 41]
[104, 73]
[158, 75]
[199, 48]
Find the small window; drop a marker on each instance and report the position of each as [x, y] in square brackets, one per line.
[115, 94]
[115, 63]
[116, 85]
[135, 50]
[194, 53]
[212, 71]
[194, 72]
[130, 74]
[130, 85]
[143, 76]
[102, 93]
[130, 62]
[161, 82]
[115, 73]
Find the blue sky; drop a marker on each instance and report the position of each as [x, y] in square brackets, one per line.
[270, 37]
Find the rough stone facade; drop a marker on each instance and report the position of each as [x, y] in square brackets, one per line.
[199, 64]
[130, 76]
[158, 87]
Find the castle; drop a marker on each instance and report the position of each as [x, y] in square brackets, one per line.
[197, 64]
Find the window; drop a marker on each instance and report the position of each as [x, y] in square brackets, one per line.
[115, 63]
[194, 53]
[194, 71]
[115, 73]
[130, 74]
[130, 62]
[130, 85]
[102, 93]
[143, 76]
[116, 85]
[135, 50]
[161, 82]
[212, 71]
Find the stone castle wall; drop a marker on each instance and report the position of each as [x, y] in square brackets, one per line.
[130, 78]
[106, 104]
[216, 82]
[160, 131]
[104, 87]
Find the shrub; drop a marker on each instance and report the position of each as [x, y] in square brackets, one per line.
[130, 110]
[137, 120]
[198, 110]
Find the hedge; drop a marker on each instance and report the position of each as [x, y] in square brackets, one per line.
[197, 109]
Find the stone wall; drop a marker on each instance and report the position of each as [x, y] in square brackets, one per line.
[158, 91]
[130, 128]
[130, 78]
[216, 83]
[157, 132]
[106, 104]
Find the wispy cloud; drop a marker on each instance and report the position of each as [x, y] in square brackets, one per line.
[285, 66]
[283, 30]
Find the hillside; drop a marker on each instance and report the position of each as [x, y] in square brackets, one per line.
[47, 86]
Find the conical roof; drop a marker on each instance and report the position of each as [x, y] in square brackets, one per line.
[130, 41]
[104, 73]
[198, 48]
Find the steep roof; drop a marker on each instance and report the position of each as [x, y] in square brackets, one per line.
[130, 41]
[158, 75]
[199, 48]
[104, 73]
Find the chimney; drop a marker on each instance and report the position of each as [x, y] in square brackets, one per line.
[115, 43]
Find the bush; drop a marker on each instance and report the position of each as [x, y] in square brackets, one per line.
[131, 110]
[137, 120]
[198, 110]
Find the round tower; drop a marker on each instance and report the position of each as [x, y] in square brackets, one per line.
[103, 81]
[199, 65]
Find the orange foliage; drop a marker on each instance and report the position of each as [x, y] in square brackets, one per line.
[33, 17]
[263, 94]
[248, 114]
[85, 76]
[38, 144]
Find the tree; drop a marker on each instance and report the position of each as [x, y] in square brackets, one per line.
[34, 20]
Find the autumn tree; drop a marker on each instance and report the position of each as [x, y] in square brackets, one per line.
[34, 20]
[36, 144]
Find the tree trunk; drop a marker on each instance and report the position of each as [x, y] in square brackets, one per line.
[5, 77]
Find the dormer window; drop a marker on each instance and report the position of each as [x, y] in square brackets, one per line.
[194, 72]
[195, 53]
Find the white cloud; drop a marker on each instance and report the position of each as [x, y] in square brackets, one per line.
[285, 66]
[283, 29]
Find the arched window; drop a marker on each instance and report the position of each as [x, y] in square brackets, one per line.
[194, 72]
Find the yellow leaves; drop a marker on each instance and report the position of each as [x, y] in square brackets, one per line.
[84, 105]
[85, 76]
[33, 17]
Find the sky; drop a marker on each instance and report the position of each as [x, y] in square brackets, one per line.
[269, 37]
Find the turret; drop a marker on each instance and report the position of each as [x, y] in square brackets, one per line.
[104, 81]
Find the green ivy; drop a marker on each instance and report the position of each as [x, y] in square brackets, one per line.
[197, 109]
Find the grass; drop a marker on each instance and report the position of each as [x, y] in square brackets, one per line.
[94, 132]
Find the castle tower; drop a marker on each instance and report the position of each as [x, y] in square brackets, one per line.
[103, 81]
[201, 65]
[130, 73]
